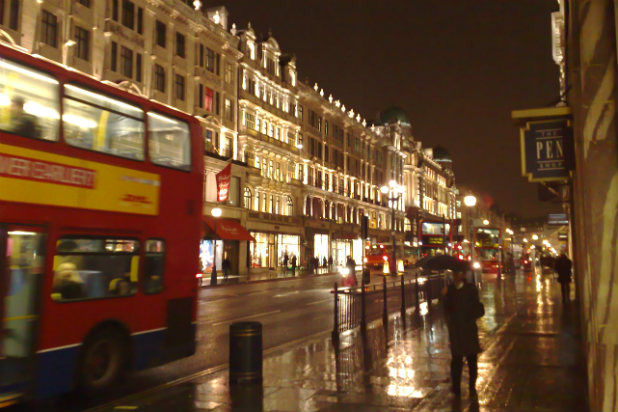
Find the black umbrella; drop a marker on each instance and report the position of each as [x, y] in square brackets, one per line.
[443, 262]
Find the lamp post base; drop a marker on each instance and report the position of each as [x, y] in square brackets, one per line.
[213, 277]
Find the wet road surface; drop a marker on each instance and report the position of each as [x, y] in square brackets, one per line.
[530, 362]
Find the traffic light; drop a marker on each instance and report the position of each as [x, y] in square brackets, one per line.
[364, 227]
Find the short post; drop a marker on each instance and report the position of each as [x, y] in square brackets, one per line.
[428, 293]
[403, 299]
[245, 352]
[385, 314]
[363, 308]
[335, 315]
[416, 290]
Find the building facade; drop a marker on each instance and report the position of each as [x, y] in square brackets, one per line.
[304, 168]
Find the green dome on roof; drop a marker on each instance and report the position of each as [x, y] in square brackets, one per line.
[393, 115]
[441, 154]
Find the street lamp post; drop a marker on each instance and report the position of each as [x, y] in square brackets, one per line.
[216, 213]
[470, 202]
[395, 190]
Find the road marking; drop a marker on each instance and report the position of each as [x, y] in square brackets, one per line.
[296, 292]
[257, 315]
[317, 302]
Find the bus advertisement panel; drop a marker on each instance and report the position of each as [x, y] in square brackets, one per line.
[100, 217]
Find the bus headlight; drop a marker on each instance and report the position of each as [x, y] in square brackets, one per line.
[476, 265]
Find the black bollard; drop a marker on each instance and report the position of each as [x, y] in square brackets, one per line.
[247, 398]
[246, 352]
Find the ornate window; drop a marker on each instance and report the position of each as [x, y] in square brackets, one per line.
[290, 206]
[247, 198]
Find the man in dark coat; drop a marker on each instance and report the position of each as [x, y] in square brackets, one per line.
[462, 308]
[293, 265]
[562, 267]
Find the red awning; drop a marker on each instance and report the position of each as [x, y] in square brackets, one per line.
[228, 229]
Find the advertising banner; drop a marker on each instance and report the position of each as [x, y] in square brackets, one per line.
[223, 183]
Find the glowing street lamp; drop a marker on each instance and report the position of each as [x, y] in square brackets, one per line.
[485, 222]
[470, 201]
[535, 237]
[216, 213]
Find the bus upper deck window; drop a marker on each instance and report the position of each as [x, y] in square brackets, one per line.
[28, 102]
[169, 142]
[97, 122]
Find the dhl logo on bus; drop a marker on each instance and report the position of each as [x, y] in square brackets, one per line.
[37, 177]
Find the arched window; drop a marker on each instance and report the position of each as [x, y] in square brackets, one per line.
[290, 211]
[247, 196]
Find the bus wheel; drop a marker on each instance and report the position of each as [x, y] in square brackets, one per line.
[103, 360]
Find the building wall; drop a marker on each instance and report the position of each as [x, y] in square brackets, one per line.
[592, 63]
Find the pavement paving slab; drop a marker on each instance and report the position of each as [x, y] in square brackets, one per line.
[530, 362]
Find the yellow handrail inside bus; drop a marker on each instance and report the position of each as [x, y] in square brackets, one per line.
[101, 131]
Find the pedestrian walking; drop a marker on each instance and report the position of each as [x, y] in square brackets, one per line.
[330, 263]
[462, 308]
[226, 265]
[285, 262]
[293, 265]
[562, 267]
[324, 262]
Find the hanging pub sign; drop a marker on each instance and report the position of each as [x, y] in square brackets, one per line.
[546, 143]
[223, 183]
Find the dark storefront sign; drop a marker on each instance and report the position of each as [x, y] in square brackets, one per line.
[547, 150]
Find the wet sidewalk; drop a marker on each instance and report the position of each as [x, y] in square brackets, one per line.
[530, 362]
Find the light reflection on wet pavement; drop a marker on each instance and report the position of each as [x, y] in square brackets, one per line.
[530, 362]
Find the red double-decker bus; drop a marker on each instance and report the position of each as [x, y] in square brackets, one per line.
[435, 237]
[100, 210]
[487, 245]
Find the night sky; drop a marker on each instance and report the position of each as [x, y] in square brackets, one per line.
[457, 67]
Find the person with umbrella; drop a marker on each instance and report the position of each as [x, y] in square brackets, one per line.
[462, 308]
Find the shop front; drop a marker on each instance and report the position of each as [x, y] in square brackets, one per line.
[268, 251]
[224, 242]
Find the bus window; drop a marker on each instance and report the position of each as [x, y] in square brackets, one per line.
[96, 122]
[154, 262]
[169, 142]
[91, 268]
[28, 102]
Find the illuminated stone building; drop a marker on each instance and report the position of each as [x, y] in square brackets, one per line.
[304, 168]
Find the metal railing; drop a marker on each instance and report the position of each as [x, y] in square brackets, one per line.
[381, 300]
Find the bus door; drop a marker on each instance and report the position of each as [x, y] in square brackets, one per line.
[21, 268]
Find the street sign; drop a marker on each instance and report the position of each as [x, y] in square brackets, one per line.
[560, 219]
[547, 150]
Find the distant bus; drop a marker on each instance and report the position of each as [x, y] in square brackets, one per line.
[487, 247]
[377, 255]
[100, 220]
[435, 237]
